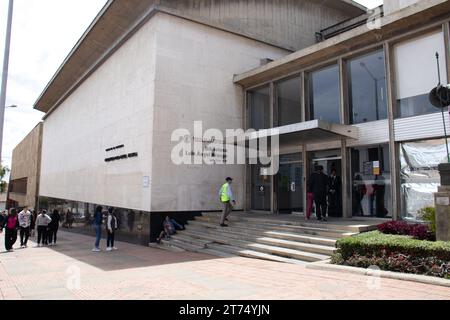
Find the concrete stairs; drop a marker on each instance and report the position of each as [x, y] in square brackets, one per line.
[272, 238]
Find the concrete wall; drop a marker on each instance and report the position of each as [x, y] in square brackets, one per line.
[194, 81]
[26, 161]
[285, 23]
[112, 107]
[391, 6]
[169, 74]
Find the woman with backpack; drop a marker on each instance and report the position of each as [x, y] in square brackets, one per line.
[111, 227]
[11, 226]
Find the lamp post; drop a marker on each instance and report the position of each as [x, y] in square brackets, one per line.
[5, 72]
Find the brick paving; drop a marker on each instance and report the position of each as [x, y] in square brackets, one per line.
[137, 272]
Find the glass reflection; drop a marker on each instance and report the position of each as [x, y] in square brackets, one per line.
[367, 88]
[289, 102]
[324, 94]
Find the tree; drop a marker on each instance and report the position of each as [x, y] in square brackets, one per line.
[3, 171]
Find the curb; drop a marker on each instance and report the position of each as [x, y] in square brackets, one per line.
[327, 266]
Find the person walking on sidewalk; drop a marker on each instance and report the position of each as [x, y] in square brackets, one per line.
[42, 222]
[227, 199]
[111, 227]
[11, 226]
[25, 219]
[98, 220]
[53, 227]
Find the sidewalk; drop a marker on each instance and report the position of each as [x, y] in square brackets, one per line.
[72, 271]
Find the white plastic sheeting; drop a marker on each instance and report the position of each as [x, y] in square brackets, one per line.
[419, 174]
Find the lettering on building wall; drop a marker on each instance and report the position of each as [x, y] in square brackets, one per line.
[122, 156]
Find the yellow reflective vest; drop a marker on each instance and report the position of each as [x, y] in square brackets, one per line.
[224, 197]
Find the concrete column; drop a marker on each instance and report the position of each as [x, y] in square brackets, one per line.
[273, 123]
[345, 162]
[393, 146]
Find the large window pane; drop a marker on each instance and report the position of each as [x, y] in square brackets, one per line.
[324, 96]
[289, 102]
[367, 88]
[416, 72]
[371, 182]
[259, 104]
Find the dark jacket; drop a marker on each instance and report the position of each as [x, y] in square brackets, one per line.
[318, 183]
[98, 218]
[334, 184]
[56, 218]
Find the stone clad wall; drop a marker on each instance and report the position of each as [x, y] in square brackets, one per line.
[285, 23]
[194, 81]
[26, 164]
[113, 107]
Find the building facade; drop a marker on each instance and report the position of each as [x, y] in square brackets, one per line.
[142, 71]
[23, 187]
[352, 97]
[374, 80]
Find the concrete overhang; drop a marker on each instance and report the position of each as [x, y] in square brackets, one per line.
[115, 24]
[416, 15]
[314, 131]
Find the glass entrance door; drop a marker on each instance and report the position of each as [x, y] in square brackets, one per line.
[331, 162]
[289, 184]
[261, 190]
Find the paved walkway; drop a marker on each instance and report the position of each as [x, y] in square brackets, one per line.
[72, 271]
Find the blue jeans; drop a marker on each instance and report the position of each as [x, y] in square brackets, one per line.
[98, 234]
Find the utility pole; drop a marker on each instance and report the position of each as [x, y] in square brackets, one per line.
[5, 72]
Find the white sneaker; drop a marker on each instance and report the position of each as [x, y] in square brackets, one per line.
[109, 249]
[114, 248]
[96, 250]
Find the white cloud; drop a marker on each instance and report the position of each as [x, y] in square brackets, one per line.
[43, 33]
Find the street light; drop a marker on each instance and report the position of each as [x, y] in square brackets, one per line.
[5, 72]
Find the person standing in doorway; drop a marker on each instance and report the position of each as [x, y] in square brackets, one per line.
[334, 195]
[227, 199]
[98, 220]
[111, 227]
[42, 222]
[53, 227]
[11, 226]
[318, 183]
[25, 219]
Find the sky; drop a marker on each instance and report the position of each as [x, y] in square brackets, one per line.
[43, 34]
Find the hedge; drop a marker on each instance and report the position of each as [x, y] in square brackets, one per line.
[374, 243]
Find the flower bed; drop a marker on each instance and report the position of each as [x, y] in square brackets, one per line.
[394, 253]
[417, 231]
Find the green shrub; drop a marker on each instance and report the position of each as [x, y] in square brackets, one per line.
[375, 242]
[428, 215]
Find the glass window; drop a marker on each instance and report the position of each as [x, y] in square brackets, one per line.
[416, 73]
[259, 104]
[367, 88]
[324, 94]
[289, 102]
[371, 182]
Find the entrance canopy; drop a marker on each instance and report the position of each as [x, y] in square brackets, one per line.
[314, 131]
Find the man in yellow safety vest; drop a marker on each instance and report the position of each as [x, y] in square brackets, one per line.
[227, 198]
